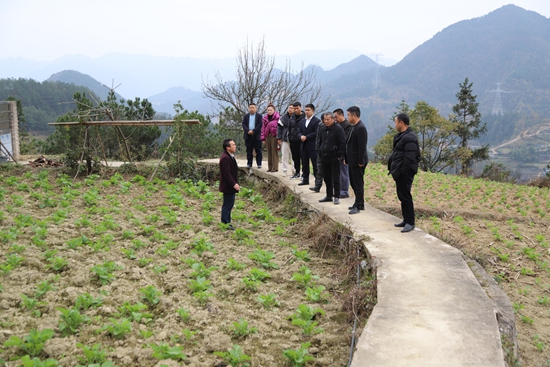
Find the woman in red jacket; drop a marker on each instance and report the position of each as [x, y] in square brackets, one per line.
[269, 134]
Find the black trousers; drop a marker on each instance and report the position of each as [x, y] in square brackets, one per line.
[308, 155]
[403, 184]
[319, 175]
[228, 202]
[331, 174]
[253, 144]
[296, 151]
[357, 182]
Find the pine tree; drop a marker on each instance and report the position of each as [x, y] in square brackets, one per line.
[469, 126]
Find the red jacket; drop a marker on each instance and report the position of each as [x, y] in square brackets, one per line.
[269, 127]
[229, 173]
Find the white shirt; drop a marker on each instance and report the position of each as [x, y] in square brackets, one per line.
[308, 120]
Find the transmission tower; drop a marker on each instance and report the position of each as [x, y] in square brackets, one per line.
[376, 81]
[497, 106]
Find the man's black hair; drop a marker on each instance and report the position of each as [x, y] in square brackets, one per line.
[403, 118]
[296, 104]
[338, 111]
[354, 110]
[311, 106]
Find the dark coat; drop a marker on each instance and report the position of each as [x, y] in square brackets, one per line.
[283, 130]
[229, 174]
[356, 145]
[294, 131]
[405, 155]
[331, 142]
[257, 126]
[310, 132]
[346, 126]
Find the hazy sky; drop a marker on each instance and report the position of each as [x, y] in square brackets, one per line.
[46, 30]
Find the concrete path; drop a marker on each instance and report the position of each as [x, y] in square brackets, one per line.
[431, 310]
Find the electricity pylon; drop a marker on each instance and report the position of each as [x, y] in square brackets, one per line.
[497, 106]
[376, 81]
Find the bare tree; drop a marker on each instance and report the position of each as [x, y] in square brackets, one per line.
[258, 81]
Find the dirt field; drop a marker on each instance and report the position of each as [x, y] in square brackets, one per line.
[142, 274]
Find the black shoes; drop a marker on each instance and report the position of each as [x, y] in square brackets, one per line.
[295, 176]
[353, 206]
[315, 188]
[402, 224]
[326, 199]
[407, 228]
[303, 183]
[344, 196]
[353, 210]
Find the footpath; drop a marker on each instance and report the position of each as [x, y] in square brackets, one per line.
[431, 309]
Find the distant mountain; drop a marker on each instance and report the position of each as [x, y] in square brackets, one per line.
[190, 100]
[509, 45]
[77, 78]
[358, 64]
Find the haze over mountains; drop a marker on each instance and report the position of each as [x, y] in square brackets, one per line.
[509, 45]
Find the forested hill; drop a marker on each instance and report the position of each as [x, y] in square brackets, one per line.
[78, 78]
[510, 46]
[42, 102]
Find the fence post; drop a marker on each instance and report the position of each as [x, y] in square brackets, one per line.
[14, 128]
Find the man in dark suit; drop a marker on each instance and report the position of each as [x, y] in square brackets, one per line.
[356, 158]
[308, 135]
[229, 180]
[252, 126]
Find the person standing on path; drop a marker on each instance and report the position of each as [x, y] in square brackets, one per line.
[269, 134]
[331, 142]
[252, 126]
[229, 180]
[344, 173]
[294, 137]
[357, 158]
[308, 134]
[283, 138]
[403, 165]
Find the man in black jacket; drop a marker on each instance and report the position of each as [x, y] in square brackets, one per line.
[294, 137]
[252, 127]
[357, 158]
[331, 141]
[403, 165]
[344, 172]
[308, 135]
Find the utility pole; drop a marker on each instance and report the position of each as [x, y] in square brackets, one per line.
[497, 106]
[376, 81]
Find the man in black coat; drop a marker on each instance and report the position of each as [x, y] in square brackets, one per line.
[331, 142]
[229, 179]
[252, 126]
[344, 172]
[357, 158]
[308, 134]
[403, 165]
[294, 138]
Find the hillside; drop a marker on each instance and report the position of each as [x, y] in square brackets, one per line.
[509, 45]
[77, 78]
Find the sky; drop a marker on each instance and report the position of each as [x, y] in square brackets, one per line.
[47, 30]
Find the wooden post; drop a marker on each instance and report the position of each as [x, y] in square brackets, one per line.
[14, 127]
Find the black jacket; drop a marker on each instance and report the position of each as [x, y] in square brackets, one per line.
[294, 131]
[356, 145]
[283, 128]
[310, 132]
[405, 155]
[346, 126]
[331, 142]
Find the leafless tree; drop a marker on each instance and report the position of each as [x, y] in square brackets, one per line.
[258, 81]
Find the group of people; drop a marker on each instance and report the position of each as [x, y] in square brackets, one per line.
[335, 146]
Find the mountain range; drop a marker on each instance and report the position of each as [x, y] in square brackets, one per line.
[510, 46]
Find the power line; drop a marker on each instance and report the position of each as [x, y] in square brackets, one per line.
[376, 80]
[497, 106]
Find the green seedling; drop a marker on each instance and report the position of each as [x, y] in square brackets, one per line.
[144, 261]
[150, 294]
[201, 271]
[104, 271]
[138, 244]
[264, 258]
[235, 357]
[71, 320]
[254, 278]
[269, 301]
[527, 319]
[14, 260]
[300, 254]
[316, 294]
[135, 312]
[235, 265]
[207, 218]
[545, 301]
[202, 296]
[241, 234]
[201, 245]
[45, 286]
[199, 285]
[26, 361]
[128, 234]
[118, 328]
[57, 264]
[162, 268]
[538, 343]
[31, 344]
[31, 304]
[85, 301]
[240, 328]
[146, 334]
[188, 334]
[298, 357]
[17, 249]
[164, 351]
[129, 253]
[184, 314]
[304, 277]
